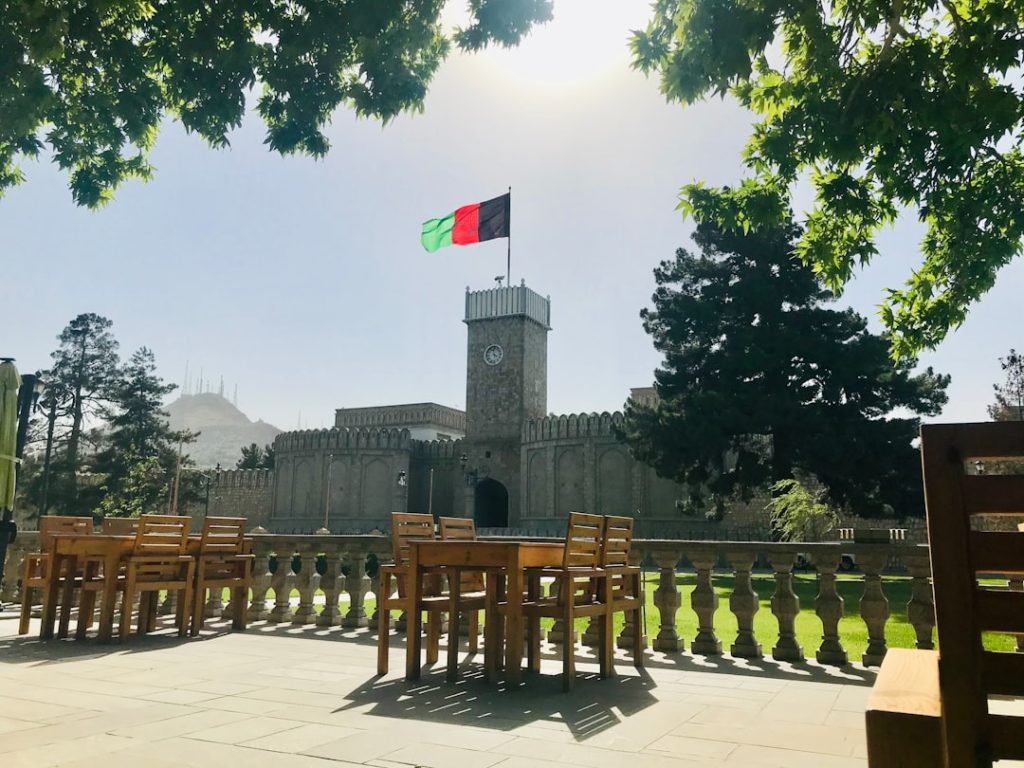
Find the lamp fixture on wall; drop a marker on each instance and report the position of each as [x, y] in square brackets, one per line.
[472, 476]
[402, 479]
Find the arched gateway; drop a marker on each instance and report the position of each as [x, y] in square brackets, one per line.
[490, 504]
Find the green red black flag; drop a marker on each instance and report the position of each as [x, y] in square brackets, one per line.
[469, 224]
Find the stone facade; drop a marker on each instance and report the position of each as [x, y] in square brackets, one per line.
[505, 462]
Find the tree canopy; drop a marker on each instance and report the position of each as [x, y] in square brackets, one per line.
[762, 382]
[883, 107]
[93, 81]
[1009, 404]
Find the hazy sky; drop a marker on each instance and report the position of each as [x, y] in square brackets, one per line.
[304, 281]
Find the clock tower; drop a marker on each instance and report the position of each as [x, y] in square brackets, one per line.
[506, 384]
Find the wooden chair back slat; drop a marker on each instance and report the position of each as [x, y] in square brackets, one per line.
[955, 493]
[583, 540]
[462, 529]
[999, 610]
[406, 527]
[223, 536]
[617, 541]
[997, 552]
[993, 494]
[120, 526]
[162, 535]
[1004, 673]
[51, 524]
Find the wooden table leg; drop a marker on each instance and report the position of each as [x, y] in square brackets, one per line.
[111, 561]
[414, 617]
[514, 623]
[51, 596]
[68, 596]
[454, 596]
[492, 640]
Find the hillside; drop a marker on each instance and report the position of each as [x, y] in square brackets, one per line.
[223, 428]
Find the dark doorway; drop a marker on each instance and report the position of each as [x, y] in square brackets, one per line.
[490, 504]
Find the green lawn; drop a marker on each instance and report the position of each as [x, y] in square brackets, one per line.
[852, 630]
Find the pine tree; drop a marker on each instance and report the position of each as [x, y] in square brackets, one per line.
[1009, 404]
[762, 382]
[80, 381]
[254, 457]
[139, 455]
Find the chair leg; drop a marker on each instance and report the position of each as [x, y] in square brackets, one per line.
[567, 592]
[607, 645]
[86, 603]
[126, 609]
[238, 604]
[26, 608]
[154, 606]
[533, 643]
[383, 634]
[197, 615]
[434, 635]
[474, 631]
[638, 638]
[187, 597]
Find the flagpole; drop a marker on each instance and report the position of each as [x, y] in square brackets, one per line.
[508, 265]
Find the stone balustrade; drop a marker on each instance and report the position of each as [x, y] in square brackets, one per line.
[337, 565]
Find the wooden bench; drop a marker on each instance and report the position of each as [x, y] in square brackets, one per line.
[928, 708]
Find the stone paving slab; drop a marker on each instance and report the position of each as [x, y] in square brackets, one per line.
[295, 697]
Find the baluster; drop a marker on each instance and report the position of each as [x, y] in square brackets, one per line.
[625, 639]
[785, 607]
[306, 582]
[281, 582]
[215, 605]
[920, 611]
[168, 607]
[874, 607]
[744, 603]
[556, 635]
[667, 600]
[261, 578]
[704, 601]
[829, 607]
[330, 584]
[356, 585]
[591, 636]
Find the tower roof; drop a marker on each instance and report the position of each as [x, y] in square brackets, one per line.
[508, 301]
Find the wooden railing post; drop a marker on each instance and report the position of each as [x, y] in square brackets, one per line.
[667, 600]
[920, 610]
[743, 602]
[785, 607]
[829, 607]
[704, 601]
[874, 607]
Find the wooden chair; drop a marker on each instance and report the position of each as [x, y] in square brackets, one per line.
[405, 528]
[582, 591]
[932, 709]
[36, 573]
[119, 526]
[464, 529]
[158, 562]
[222, 562]
[625, 581]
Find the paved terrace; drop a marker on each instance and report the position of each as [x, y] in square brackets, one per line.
[283, 696]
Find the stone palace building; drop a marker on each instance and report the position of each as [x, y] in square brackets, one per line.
[505, 461]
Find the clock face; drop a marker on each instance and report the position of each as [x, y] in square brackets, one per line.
[493, 354]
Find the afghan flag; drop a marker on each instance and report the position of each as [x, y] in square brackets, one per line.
[469, 224]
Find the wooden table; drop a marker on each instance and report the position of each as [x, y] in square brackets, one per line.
[73, 548]
[509, 558]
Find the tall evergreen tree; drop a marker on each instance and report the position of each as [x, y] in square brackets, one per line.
[139, 455]
[83, 373]
[761, 382]
[1009, 404]
[254, 457]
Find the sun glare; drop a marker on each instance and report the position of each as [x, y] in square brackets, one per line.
[586, 40]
